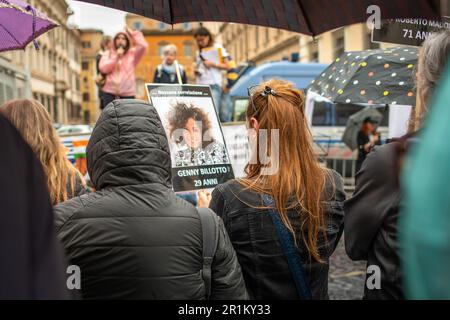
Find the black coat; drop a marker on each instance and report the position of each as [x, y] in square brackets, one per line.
[265, 267]
[32, 265]
[161, 76]
[133, 238]
[371, 221]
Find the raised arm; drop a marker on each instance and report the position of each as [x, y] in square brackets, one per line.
[141, 45]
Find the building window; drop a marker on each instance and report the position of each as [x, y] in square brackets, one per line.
[313, 48]
[86, 97]
[162, 26]
[186, 26]
[241, 49]
[85, 65]
[187, 48]
[137, 25]
[76, 54]
[49, 104]
[86, 44]
[161, 45]
[339, 43]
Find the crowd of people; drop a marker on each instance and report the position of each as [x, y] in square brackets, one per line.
[119, 57]
[132, 237]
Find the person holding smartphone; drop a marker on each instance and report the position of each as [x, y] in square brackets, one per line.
[211, 62]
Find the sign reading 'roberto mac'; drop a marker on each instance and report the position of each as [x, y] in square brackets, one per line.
[411, 32]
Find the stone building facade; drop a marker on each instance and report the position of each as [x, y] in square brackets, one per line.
[52, 74]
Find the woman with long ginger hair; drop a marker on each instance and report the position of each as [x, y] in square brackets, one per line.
[306, 198]
[35, 125]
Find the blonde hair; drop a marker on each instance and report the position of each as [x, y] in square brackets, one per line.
[300, 181]
[35, 126]
[170, 48]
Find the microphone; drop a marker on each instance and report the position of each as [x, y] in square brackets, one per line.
[120, 49]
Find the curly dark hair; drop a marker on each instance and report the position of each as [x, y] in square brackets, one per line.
[179, 115]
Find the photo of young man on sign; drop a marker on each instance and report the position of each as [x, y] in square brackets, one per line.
[200, 159]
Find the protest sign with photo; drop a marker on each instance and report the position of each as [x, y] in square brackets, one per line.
[200, 159]
[410, 32]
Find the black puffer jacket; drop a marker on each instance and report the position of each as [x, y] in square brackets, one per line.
[133, 238]
[254, 237]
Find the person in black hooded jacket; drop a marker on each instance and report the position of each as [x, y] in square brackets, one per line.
[32, 265]
[133, 238]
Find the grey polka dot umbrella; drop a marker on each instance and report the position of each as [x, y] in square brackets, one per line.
[373, 77]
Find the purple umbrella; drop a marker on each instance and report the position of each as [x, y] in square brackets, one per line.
[20, 24]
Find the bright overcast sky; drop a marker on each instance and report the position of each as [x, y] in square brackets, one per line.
[88, 15]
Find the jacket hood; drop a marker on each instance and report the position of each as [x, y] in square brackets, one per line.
[128, 146]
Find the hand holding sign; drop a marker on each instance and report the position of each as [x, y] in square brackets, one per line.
[203, 199]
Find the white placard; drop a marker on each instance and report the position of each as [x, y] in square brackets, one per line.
[399, 120]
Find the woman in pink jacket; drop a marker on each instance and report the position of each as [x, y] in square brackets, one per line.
[119, 66]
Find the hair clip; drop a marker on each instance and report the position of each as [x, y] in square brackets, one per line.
[267, 91]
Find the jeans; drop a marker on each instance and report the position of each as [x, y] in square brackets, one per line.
[107, 98]
[216, 91]
[190, 197]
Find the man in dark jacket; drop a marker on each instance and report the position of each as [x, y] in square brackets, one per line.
[371, 223]
[133, 238]
[170, 71]
[167, 76]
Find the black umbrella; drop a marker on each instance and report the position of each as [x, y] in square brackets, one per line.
[310, 17]
[370, 77]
